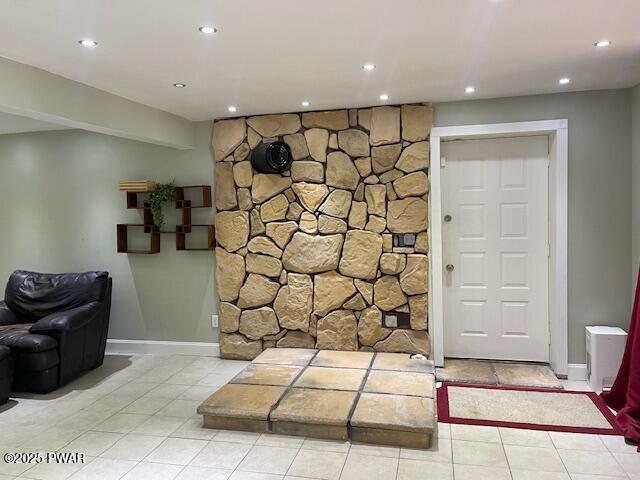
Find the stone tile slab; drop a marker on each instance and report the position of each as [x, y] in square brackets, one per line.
[401, 362]
[338, 359]
[400, 383]
[268, 374]
[306, 405]
[331, 378]
[286, 356]
[242, 401]
[526, 375]
[467, 371]
[394, 412]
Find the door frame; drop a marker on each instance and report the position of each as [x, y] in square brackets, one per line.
[558, 133]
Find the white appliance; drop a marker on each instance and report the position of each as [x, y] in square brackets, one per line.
[605, 346]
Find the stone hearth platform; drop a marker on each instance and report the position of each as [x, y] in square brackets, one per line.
[380, 398]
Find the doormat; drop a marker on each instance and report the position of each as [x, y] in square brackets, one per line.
[526, 408]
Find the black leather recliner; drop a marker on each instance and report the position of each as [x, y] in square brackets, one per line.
[55, 325]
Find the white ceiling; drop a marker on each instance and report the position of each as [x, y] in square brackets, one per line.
[18, 124]
[270, 55]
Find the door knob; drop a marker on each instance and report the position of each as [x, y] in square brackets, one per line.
[450, 267]
[447, 218]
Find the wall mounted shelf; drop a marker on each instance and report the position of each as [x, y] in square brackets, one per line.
[186, 198]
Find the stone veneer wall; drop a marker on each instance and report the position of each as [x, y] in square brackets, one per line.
[305, 259]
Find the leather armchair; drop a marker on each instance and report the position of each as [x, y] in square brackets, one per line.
[55, 325]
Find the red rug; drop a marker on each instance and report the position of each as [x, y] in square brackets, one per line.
[526, 408]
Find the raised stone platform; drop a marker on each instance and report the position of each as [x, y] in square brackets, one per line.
[381, 398]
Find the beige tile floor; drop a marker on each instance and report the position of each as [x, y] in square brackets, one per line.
[134, 419]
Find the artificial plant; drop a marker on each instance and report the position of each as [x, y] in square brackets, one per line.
[161, 194]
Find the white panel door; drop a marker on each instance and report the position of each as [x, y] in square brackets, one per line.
[495, 248]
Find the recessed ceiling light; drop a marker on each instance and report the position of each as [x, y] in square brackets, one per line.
[179, 85]
[232, 109]
[208, 29]
[384, 97]
[305, 104]
[88, 43]
[564, 80]
[469, 89]
[368, 67]
[602, 43]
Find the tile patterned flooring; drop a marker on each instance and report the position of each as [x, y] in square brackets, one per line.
[135, 419]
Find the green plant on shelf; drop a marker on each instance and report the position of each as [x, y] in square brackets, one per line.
[161, 194]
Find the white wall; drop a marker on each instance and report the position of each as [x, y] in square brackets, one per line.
[635, 179]
[59, 206]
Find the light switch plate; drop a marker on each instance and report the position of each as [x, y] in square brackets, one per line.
[214, 321]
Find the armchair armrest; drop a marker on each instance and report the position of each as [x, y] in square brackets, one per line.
[67, 320]
[7, 317]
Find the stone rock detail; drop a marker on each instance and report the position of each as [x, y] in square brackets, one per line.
[337, 204]
[255, 324]
[253, 138]
[267, 185]
[405, 341]
[358, 215]
[308, 223]
[387, 294]
[363, 165]
[263, 265]
[295, 339]
[338, 331]
[238, 347]
[416, 122]
[227, 136]
[275, 125]
[365, 289]
[310, 195]
[341, 171]
[418, 311]
[264, 246]
[305, 259]
[407, 216]
[413, 279]
[385, 126]
[242, 174]
[312, 253]
[244, 199]
[331, 120]
[361, 254]
[331, 290]
[415, 184]
[376, 224]
[376, 196]
[274, 209]
[370, 329]
[229, 317]
[232, 229]
[354, 143]
[298, 145]
[257, 291]
[305, 171]
[413, 158]
[317, 142]
[328, 225]
[392, 263]
[294, 302]
[226, 198]
[281, 232]
[384, 158]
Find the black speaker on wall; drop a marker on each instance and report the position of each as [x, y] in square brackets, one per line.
[272, 157]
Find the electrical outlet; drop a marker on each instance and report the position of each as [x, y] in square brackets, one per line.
[214, 321]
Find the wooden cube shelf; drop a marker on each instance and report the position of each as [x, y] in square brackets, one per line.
[186, 198]
[122, 231]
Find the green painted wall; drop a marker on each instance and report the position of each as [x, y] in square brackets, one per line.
[60, 205]
[600, 256]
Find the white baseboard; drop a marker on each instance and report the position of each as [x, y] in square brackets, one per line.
[577, 371]
[160, 347]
